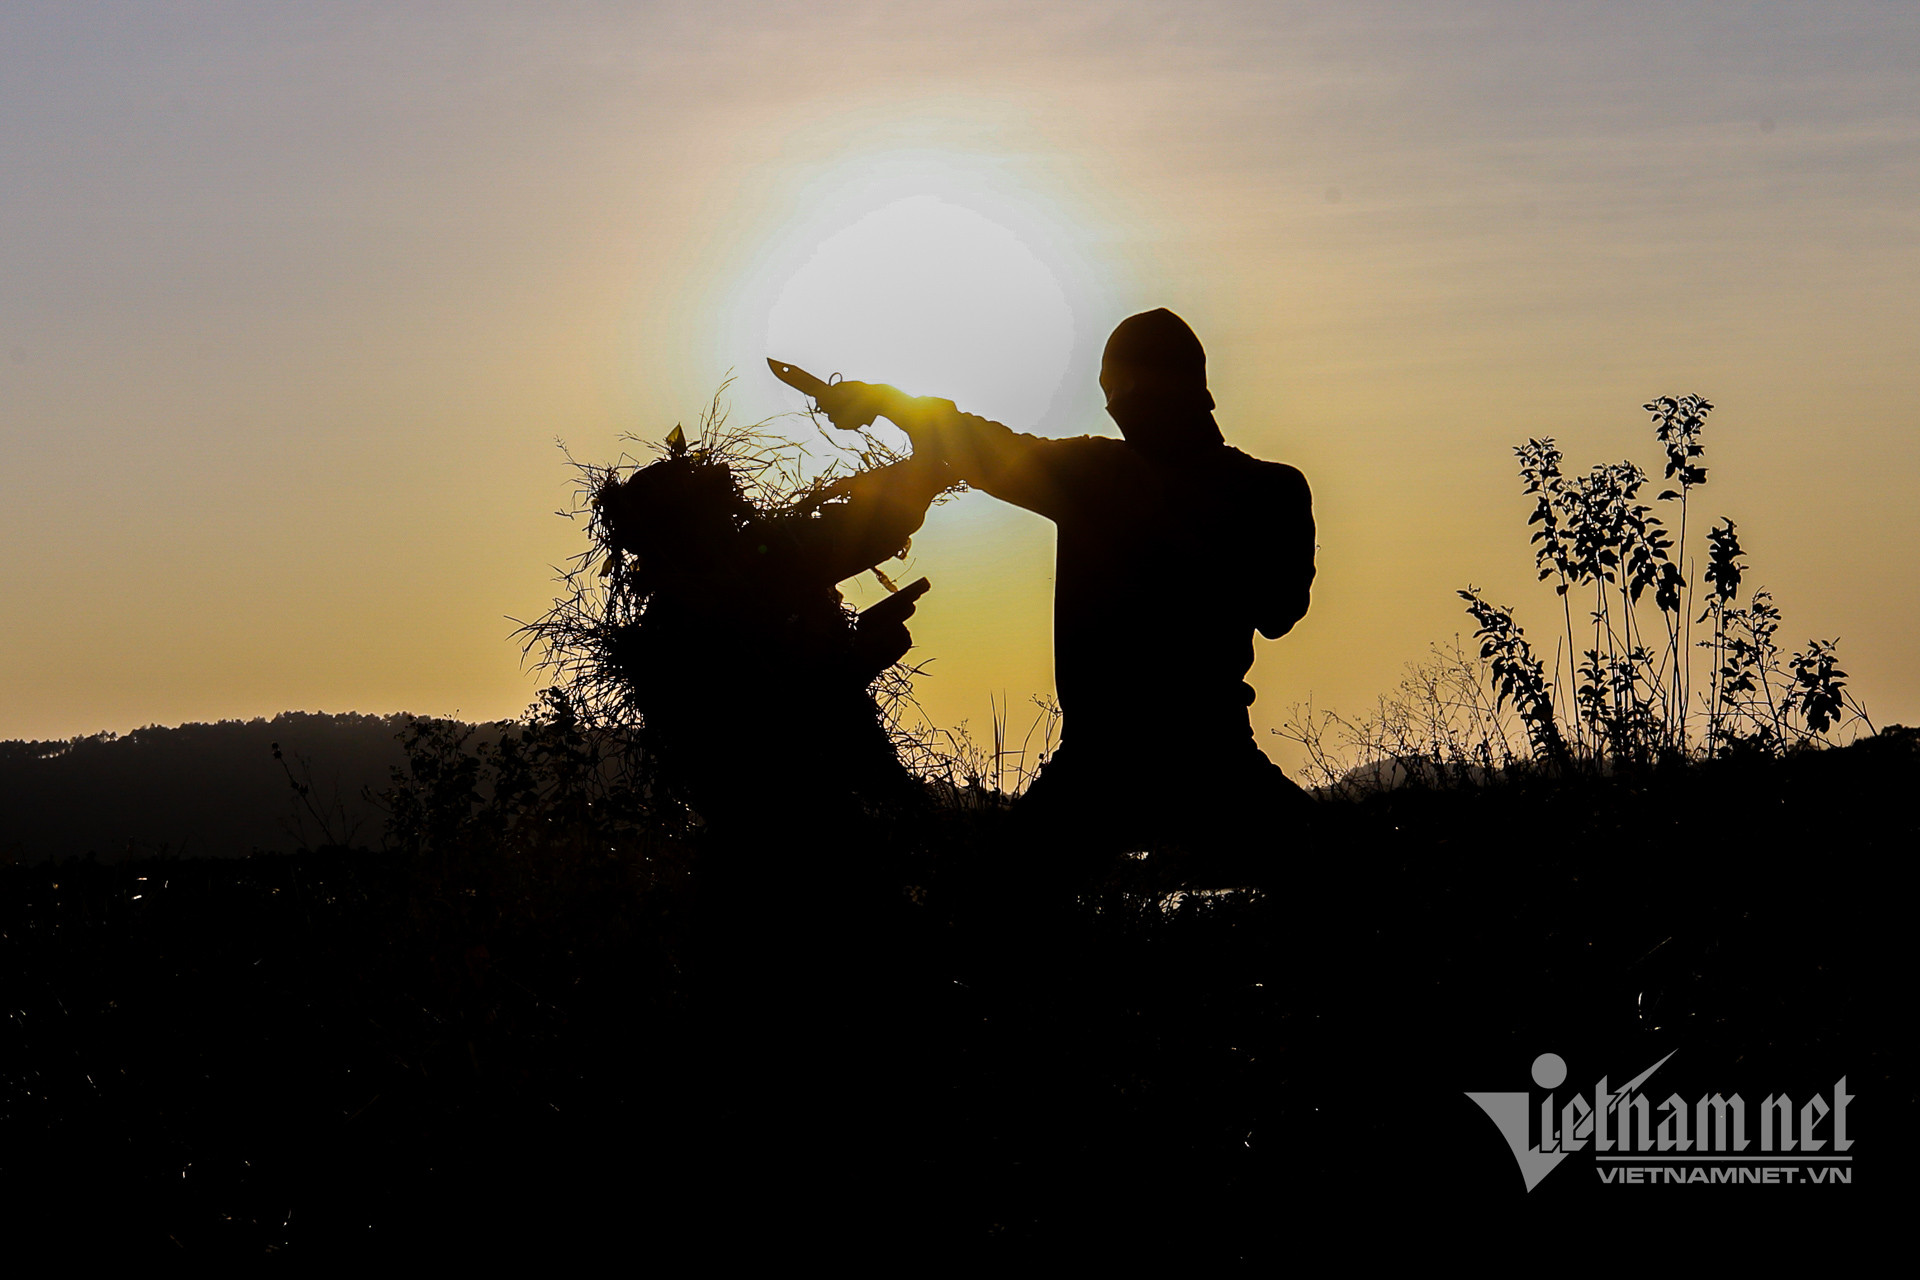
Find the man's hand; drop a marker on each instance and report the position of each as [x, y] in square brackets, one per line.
[851, 406]
[857, 404]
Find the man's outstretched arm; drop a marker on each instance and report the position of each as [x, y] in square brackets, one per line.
[1028, 471]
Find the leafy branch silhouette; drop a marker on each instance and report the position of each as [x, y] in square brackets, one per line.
[1626, 688]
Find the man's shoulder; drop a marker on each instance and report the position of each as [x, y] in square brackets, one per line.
[1089, 454]
[1272, 476]
[1098, 445]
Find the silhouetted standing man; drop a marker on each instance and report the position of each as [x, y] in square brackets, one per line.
[1174, 548]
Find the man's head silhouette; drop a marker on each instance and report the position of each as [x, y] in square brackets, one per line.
[1154, 373]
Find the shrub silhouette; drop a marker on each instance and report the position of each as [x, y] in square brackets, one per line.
[1628, 694]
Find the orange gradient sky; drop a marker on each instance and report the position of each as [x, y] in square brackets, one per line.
[296, 300]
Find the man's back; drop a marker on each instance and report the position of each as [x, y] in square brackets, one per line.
[1165, 567]
[1173, 550]
[1157, 596]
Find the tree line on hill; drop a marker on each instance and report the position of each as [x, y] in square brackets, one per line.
[200, 790]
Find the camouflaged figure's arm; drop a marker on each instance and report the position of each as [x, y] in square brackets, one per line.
[883, 509]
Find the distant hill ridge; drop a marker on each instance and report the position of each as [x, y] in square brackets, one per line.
[198, 790]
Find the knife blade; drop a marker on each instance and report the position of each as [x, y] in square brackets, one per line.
[796, 377]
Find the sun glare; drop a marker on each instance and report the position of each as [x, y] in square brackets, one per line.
[936, 299]
[937, 282]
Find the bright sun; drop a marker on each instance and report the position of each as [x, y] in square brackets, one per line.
[937, 299]
[941, 281]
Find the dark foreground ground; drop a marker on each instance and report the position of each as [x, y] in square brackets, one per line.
[679, 1052]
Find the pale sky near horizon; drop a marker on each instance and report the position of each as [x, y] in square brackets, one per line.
[296, 300]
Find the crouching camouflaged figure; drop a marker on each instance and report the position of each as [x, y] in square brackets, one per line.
[749, 671]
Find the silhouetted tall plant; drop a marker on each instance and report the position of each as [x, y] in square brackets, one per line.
[1518, 677]
[1554, 556]
[1724, 572]
[1677, 424]
[1819, 691]
[1631, 694]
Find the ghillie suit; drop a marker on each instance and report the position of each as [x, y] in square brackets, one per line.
[714, 622]
[722, 630]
